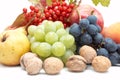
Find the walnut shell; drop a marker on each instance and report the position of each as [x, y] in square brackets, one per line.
[34, 66]
[76, 63]
[53, 65]
[101, 64]
[88, 53]
[24, 59]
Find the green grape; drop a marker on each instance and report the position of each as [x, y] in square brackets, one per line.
[44, 22]
[40, 27]
[73, 47]
[29, 37]
[31, 30]
[58, 49]
[58, 25]
[44, 49]
[67, 40]
[67, 29]
[39, 35]
[67, 54]
[49, 27]
[60, 32]
[32, 39]
[33, 46]
[51, 37]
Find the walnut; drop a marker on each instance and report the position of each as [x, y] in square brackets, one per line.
[101, 64]
[24, 59]
[88, 53]
[31, 63]
[76, 63]
[53, 65]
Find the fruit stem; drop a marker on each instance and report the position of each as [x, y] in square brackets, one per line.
[4, 38]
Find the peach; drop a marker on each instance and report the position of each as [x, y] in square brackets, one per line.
[113, 31]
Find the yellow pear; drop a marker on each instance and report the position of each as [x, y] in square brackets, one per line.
[13, 44]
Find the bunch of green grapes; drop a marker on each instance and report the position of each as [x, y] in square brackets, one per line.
[51, 39]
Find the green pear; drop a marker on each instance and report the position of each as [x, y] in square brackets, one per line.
[13, 44]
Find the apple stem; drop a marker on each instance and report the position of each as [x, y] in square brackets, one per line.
[92, 12]
[4, 38]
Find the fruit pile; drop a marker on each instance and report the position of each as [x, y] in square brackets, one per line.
[57, 11]
[87, 32]
[51, 39]
[58, 35]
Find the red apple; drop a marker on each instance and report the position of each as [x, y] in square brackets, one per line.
[85, 10]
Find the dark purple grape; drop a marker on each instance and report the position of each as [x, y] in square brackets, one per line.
[103, 52]
[85, 39]
[110, 45]
[114, 58]
[84, 23]
[92, 19]
[118, 50]
[75, 30]
[92, 29]
[98, 38]
[98, 27]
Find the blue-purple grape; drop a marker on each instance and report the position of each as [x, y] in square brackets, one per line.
[98, 38]
[103, 52]
[110, 45]
[92, 29]
[85, 39]
[98, 27]
[84, 23]
[114, 58]
[75, 30]
[92, 19]
[118, 50]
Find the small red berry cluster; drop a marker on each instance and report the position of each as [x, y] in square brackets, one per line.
[57, 11]
[34, 16]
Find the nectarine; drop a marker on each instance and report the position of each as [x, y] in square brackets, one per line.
[113, 31]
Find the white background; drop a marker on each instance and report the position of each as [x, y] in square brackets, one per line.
[9, 10]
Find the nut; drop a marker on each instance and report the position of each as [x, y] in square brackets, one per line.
[88, 53]
[53, 65]
[76, 63]
[101, 64]
[34, 66]
[25, 59]
[31, 63]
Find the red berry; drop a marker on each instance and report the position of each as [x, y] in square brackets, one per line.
[64, 3]
[32, 7]
[24, 10]
[47, 14]
[36, 10]
[57, 12]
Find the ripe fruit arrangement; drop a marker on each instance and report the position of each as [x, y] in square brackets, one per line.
[57, 11]
[51, 39]
[60, 30]
[87, 32]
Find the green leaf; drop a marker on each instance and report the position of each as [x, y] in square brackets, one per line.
[34, 1]
[105, 2]
[49, 2]
[95, 2]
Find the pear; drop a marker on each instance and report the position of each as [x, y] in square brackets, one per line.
[13, 44]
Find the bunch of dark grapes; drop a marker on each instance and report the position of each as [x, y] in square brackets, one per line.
[59, 11]
[87, 32]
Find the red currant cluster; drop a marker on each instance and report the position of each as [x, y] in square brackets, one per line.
[59, 11]
[34, 16]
